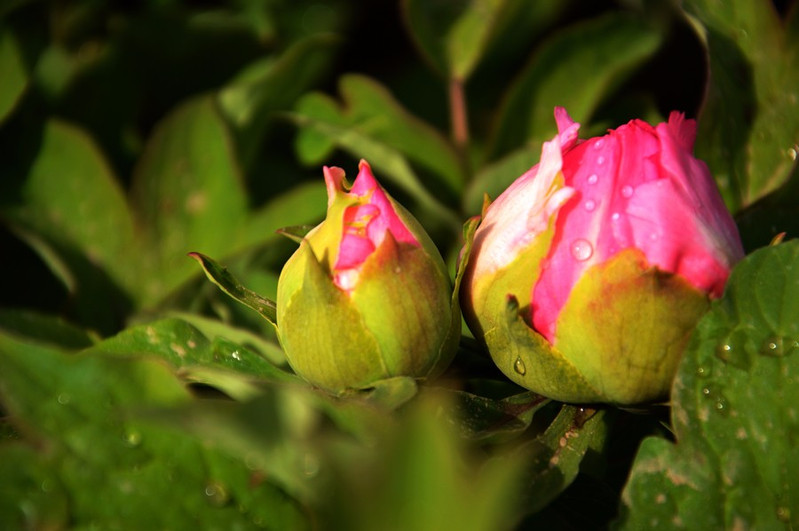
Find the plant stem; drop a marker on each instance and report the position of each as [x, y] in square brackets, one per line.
[458, 115]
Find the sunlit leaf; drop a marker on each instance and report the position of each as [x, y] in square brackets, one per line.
[736, 389]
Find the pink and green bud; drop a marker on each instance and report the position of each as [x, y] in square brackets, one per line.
[608, 252]
[367, 295]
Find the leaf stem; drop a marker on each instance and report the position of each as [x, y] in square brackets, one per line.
[458, 116]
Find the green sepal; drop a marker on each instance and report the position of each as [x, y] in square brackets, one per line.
[220, 276]
[295, 233]
[324, 336]
[528, 359]
[403, 297]
[626, 325]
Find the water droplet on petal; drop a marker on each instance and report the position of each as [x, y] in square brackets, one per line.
[627, 191]
[593, 178]
[599, 143]
[653, 236]
[615, 216]
[581, 250]
[600, 160]
[519, 367]
[590, 205]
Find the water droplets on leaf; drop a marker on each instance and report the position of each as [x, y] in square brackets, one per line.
[519, 367]
[703, 372]
[581, 249]
[64, 399]
[311, 465]
[216, 494]
[133, 438]
[236, 355]
[733, 351]
[775, 346]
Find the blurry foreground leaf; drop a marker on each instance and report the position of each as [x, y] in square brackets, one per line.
[12, 72]
[734, 413]
[85, 409]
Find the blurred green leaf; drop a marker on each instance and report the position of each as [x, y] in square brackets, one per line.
[220, 276]
[303, 204]
[576, 68]
[368, 108]
[270, 85]
[424, 477]
[494, 178]
[12, 72]
[119, 471]
[188, 192]
[31, 497]
[456, 36]
[384, 158]
[43, 328]
[749, 124]
[736, 389]
[69, 207]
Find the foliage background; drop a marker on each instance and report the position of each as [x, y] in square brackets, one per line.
[134, 394]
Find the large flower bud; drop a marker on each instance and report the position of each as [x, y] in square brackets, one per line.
[589, 273]
[367, 295]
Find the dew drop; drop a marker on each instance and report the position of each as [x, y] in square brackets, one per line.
[703, 372]
[706, 391]
[615, 216]
[47, 486]
[519, 367]
[64, 399]
[235, 355]
[593, 178]
[581, 250]
[590, 205]
[783, 514]
[792, 153]
[310, 465]
[216, 494]
[133, 438]
[773, 346]
[600, 160]
[599, 143]
[627, 191]
[653, 237]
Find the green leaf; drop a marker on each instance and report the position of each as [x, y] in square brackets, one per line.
[555, 456]
[304, 204]
[736, 389]
[576, 69]
[44, 328]
[188, 192]
[485, 418]
[31, 497]
[369, 109]
[457, 36]
[749, 123]
[72, 211]
[13, 73]
[270, 85]
[86, 411]
[385, 159]
[494, 178]
[220, 276]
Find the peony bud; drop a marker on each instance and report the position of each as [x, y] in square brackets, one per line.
[367, 295]
[589, 273]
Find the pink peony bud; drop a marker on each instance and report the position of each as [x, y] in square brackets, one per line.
[633, 201]
[367, 295]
